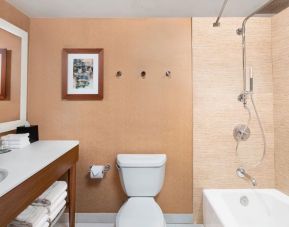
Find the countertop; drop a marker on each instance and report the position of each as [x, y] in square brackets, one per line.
[24, 163]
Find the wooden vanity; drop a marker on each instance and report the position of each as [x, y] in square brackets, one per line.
[49, 160]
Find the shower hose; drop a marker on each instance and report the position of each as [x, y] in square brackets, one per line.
[260, 127]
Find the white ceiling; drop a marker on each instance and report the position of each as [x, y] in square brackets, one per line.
[134, 8]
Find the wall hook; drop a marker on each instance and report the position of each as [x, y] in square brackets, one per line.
[143, 74]
[118, 74]
[168, 73]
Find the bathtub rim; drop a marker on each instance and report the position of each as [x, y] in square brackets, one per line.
[223, 213]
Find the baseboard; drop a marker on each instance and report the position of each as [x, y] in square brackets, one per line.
[110, 218]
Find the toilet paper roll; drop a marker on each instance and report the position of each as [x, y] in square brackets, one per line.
[96, 172]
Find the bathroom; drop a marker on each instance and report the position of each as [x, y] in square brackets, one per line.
[172, 95]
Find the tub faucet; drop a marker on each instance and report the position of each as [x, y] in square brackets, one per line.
[243, 174]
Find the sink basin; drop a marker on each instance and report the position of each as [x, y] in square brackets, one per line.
[3, 174]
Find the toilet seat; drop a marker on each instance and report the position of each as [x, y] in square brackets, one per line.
[140, 212]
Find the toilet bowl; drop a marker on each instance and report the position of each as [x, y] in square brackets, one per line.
[142, 177]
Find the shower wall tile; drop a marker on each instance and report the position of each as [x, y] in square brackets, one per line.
[280, 50]
[217, 81]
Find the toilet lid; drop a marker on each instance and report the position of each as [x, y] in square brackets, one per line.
[140, 212]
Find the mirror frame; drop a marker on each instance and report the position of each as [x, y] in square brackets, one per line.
[11, 28]
[3, 69]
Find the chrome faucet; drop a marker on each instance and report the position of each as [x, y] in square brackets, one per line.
[243, 174]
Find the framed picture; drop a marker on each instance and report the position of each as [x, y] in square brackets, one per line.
[82, 74]
[3, 53]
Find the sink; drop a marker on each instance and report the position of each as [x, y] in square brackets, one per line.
[3, 174]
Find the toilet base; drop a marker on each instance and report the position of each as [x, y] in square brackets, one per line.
[140, 212]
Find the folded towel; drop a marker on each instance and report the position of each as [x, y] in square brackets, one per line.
[15, 136]
[42, 222]
[31, 217]
[53, 205]
[16, 146]
[52, 193]
[57, 210]
[57, 203]
[46, 224]
[15, 142]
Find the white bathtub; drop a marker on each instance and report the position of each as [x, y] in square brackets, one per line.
[265, 208]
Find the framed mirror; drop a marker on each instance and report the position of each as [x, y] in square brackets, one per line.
[13, 76]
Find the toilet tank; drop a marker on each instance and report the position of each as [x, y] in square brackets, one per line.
[141, 174]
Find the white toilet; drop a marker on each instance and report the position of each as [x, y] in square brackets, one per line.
[142, 178]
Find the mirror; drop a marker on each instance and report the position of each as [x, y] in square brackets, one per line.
[13, 76]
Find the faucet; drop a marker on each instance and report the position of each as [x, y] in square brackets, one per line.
[243, 174]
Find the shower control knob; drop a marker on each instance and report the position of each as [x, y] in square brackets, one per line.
[241, 132]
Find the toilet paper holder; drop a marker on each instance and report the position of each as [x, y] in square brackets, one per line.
[105, 169]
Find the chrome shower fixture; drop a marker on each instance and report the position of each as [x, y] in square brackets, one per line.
[241, 132]
[217, 23]
[239, 31]
[243, 97]
[241, 172]
[245, 94]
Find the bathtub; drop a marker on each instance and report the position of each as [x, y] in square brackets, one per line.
[245, 208]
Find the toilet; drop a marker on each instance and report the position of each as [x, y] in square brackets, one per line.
[142, 177]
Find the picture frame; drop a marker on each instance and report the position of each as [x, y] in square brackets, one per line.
[3, 67]
[82, 74]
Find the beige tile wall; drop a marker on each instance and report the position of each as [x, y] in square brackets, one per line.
[280, 50]
[217, 81]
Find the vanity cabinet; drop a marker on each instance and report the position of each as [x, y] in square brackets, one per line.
[18, 198]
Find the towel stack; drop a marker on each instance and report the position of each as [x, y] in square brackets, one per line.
[15, 141]
[53, 199]
[31, 217]
[43, 211]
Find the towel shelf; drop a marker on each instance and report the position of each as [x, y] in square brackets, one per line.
[26, 192]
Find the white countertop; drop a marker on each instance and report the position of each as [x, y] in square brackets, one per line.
[24, 163]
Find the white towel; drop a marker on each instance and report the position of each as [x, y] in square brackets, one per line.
[57, 210]
[42, 221]
[57, 203]
[16, 146]
[15, 142]
[53, 205]
[52, 193]
[13, 137]
[46, 224]
[31, 217]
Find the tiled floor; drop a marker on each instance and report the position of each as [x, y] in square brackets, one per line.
[112, 225]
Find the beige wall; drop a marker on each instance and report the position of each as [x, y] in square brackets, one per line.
[152, 115]
[14, 16]
[217, 81]
[280, 47]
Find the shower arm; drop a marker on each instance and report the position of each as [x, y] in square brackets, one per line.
[217, 23]
[242, 31]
